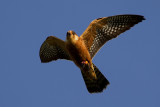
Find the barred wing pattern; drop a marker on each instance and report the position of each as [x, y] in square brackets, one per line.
[104, 29]
[53, 49]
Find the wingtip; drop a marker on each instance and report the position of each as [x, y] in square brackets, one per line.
[143, 18]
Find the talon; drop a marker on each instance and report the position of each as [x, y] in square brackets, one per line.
[84, 62]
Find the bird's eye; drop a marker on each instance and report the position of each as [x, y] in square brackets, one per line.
[73, 33]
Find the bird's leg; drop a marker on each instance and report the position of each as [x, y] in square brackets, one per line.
[85, 65]
[85, 62]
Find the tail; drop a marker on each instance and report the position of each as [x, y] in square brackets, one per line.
[95, 85]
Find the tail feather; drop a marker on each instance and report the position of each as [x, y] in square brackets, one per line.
[95, 85]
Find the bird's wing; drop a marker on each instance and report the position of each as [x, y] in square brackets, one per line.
[104, 29]
[53, 49]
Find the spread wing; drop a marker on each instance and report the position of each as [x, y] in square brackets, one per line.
[104, 29]
[53, 49]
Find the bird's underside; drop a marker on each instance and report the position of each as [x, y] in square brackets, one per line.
[82, 49]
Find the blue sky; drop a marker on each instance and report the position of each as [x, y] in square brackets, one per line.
[131, 62]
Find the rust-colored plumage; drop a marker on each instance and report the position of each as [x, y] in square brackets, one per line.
[82, 49]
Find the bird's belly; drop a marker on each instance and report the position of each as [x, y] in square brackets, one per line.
[78, 53]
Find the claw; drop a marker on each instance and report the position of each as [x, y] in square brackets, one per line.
[84, 62]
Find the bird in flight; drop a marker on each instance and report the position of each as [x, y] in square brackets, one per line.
[81, 50]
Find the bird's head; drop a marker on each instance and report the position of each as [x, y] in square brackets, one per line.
[72, 36]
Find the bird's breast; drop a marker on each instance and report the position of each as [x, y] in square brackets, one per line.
[78, 52]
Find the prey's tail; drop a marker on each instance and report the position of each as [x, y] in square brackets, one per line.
[95, 85]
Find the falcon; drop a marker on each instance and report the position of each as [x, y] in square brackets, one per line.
[81, 50]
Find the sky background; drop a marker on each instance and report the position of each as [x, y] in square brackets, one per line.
[130, 62]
